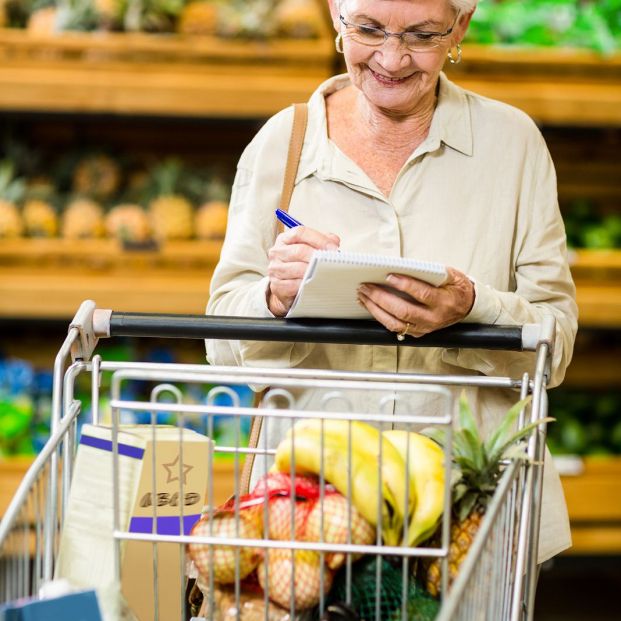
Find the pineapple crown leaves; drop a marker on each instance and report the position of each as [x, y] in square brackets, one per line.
[479, 461]
[12, 188]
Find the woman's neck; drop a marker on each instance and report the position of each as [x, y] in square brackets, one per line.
[393, 131]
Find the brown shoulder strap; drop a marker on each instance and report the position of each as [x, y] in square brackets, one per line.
[300, 119]
[298, 130]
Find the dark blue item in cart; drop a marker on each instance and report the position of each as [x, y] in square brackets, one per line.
[81, 606]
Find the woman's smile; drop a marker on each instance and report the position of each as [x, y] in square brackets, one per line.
[390, 80]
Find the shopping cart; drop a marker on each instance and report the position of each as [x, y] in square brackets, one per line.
[498, 578]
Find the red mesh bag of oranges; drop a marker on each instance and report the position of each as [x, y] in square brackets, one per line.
[285, 509]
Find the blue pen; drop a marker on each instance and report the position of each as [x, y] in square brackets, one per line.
[286, 219]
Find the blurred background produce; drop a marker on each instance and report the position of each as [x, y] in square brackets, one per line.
[592, 24]
[92, 193]
[224, 18]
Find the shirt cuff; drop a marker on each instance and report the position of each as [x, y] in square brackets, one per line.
[486, 308]
[259, 301]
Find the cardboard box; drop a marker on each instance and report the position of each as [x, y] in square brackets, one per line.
[86, 554]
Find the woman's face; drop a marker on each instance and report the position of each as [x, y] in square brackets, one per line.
[391, 76]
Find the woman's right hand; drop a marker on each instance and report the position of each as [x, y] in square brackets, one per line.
[288, 259]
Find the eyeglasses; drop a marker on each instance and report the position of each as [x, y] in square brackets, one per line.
[413, 40]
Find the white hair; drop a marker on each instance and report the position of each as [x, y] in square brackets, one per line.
[461, 6]
[464, 6]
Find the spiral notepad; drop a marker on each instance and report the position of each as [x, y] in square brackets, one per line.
[332, 278]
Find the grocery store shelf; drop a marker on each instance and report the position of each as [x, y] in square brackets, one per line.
[597, 274]
[137, 74]
[554, 86]
[170, 75]
[594, 502]
[49, 278]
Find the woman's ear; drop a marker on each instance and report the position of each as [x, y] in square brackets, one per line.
[462, 26]
[335, 8]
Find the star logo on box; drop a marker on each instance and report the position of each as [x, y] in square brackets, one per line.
[172, 471]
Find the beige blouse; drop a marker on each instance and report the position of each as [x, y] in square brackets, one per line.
[478, 194]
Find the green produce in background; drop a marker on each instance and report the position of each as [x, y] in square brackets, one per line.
[587, 422]
[585, 228]
[563, 23]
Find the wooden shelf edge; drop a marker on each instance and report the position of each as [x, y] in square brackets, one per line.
[205, 76]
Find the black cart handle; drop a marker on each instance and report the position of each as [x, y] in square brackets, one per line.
[93, 323]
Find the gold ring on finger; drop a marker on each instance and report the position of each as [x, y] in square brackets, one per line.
[401, 335]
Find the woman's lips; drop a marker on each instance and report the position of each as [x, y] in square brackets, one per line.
[383, 79]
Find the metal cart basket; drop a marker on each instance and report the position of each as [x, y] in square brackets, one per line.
[498, 578]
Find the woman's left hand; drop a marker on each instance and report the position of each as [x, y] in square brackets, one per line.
[430, 308]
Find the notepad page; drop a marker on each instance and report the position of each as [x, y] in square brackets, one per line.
[330, 284]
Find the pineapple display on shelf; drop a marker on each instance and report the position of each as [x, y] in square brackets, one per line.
[171, 213]
[479, 464]
[82, 218]
[12, 190]
[172, 217]
[212, 196]
[40, 219]
[40, 210]
[129, 223]
[210, 220]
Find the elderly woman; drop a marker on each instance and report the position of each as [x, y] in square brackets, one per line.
[398, 160]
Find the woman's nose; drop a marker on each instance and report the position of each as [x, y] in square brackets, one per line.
[394, 55]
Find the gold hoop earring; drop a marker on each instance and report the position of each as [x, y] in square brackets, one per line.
[453, 60]
[338, 43]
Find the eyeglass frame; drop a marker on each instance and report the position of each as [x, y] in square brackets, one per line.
[399, 35]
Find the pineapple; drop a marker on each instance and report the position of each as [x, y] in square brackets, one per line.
[171, 217]
[198, 17]
[210, 220]
[128, 223]
[40, 218]
[171, 213]
[97, 176]
[82, 218]
[479, 464]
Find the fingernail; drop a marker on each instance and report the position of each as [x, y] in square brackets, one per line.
[331, 246]
[363, 289]
[391, 278]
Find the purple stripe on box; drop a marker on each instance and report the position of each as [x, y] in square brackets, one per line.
[166, 525]
[106, 445]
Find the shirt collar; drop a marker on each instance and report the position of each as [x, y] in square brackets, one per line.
[451, 125]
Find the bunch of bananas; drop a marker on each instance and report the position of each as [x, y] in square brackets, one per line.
[395, 479]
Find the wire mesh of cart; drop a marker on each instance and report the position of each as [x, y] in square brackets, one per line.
[496, 581]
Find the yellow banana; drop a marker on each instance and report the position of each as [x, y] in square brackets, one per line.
[426, 467]
[365, 441]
